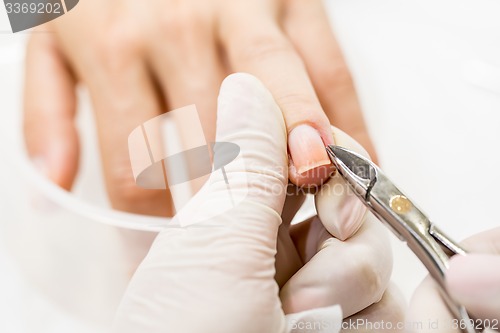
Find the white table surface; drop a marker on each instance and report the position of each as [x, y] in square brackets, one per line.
[428, 76]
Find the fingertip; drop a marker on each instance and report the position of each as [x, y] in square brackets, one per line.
[58, 161]
[474, 276]
[311, 179]
[241, 79]
[309, 163]
[240, 95]
[427, 306]
[307, 149]
[238, 86]
[339, 209]
[249, 117]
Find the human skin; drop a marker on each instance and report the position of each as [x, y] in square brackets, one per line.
[138, 61]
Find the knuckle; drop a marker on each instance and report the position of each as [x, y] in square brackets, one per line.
[372, 281]
[262, 47]
[297, 100]
[173, 24]
[125, 195]
[334, 76]
[375, 277]
[118, 47]
[181, 24]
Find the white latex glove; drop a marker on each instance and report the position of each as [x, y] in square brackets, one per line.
[223, 270]
[473, 280]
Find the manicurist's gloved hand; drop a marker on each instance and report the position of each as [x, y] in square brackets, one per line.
[139, 59]
[472, 280]
[236, 264]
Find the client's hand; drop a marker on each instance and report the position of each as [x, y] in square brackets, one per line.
[139, 59]
[233, 267]
[473, 280]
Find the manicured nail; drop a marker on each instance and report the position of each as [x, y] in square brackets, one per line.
[307, 149]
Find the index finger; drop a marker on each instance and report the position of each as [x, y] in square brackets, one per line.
[255, 44]
[308, 27]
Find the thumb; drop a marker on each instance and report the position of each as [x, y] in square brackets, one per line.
[340, 211]
[474, 281]
[249, 119]
[217, 275]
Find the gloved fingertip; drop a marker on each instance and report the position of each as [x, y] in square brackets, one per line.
[249, 118]
[241, 97]
[340, 211]
[239, 80]
[474, 279]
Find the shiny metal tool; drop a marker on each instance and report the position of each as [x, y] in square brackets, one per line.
[400, 214]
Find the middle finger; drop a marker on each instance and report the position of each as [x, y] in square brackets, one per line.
[187, 62]
[255, 43]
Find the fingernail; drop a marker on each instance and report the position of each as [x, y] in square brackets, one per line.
[307, 149]
[474, 278]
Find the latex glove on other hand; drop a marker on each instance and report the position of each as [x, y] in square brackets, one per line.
[473, 280]
[223, 270]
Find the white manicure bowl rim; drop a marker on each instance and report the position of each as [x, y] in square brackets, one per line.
[70, 202]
